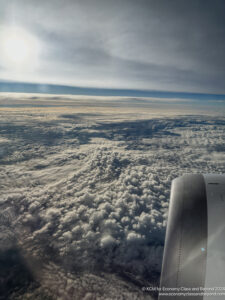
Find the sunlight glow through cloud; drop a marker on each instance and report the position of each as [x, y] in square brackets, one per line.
[20, 48]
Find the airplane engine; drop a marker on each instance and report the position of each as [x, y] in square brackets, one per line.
[194, 254]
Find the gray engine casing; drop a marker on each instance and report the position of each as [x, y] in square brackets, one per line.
[194, 253]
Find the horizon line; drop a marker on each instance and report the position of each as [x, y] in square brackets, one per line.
[42, 88]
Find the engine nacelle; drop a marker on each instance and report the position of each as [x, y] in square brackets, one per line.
[194, 253]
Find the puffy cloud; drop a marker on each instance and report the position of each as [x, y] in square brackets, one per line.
[107, 241]
[95, 212]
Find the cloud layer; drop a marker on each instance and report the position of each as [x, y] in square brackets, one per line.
[85, 198]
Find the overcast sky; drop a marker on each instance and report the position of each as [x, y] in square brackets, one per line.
[169, 45]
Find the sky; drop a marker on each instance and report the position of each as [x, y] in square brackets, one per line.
[174, 46]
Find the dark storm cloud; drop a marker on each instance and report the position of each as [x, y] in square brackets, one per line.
[166, 45]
